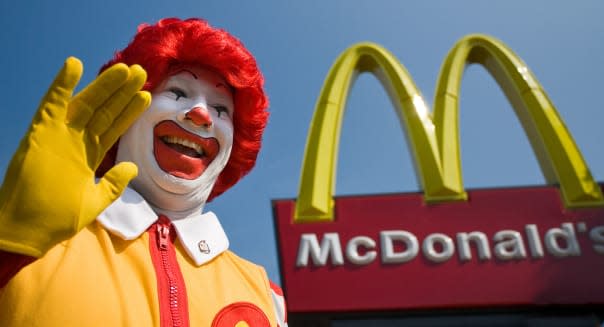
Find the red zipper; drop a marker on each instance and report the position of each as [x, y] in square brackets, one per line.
[172, 295]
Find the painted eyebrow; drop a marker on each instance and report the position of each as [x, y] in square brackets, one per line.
[218, 85]
[227, 87]
[185, 70]
[190, 72]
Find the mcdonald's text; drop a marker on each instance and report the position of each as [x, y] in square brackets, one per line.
[401, 246]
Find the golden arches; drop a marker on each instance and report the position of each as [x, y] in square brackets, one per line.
[435, 142]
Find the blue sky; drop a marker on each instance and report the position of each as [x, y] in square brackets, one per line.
[295, 44]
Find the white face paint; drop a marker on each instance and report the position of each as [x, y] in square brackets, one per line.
[182, 142]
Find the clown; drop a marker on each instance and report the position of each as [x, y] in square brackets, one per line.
[173, 120]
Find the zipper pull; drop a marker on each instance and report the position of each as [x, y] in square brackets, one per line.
[163, 236]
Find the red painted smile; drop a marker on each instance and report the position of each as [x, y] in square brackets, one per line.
[181, 153]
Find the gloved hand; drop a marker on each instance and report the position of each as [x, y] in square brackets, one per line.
[49, 191]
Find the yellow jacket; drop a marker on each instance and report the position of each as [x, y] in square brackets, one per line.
[105, 276]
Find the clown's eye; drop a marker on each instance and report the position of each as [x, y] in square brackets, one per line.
[178, 92]
[220, 109]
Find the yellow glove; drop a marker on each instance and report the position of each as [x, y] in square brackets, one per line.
[49, 191]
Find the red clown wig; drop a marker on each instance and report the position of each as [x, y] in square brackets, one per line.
[172, 43]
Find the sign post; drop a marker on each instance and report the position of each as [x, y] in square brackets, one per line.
[446, 248]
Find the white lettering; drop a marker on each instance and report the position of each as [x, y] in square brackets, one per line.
[429, 248]
[352, 250]
[596, 234]
[482, 245]
[401, 246]
[566, 234]
[532, 234]
[387, 239]
[509, 245]
[309, 247]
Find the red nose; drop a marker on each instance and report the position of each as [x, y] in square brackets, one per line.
[199, 116]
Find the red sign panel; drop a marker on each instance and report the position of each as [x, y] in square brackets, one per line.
[503, 247]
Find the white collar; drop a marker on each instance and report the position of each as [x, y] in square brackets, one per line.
[130, 215]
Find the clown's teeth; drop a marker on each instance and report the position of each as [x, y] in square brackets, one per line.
[183, 142]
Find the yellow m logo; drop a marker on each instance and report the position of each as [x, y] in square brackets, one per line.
[434, 137]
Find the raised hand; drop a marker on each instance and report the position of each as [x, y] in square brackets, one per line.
[49, 191]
